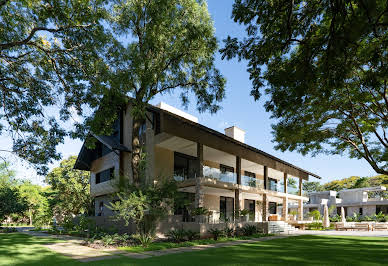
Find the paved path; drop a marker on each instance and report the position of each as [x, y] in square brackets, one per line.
[72, 247]
[342, 233]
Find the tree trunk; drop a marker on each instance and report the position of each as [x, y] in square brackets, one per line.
[136, 151]
[30, 214]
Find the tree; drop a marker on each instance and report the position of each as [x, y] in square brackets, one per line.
[324, 66]
[7, 175]
[71, 186]
[10, 202]
[312, 186]
[146, 205]
[38, 207]
[50, 55]
[169, 44]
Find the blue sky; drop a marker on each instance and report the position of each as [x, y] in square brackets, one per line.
[238, 109]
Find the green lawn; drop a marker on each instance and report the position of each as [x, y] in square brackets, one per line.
[17, 249]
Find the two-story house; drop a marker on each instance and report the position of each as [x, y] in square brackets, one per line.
[216, 171]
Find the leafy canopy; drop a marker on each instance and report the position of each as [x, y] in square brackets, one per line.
[71, 186]
[50, 56]
[324, 66]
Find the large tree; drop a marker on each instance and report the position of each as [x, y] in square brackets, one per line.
[49, 57]
[324, 65]
[72, 189]
[160, 46]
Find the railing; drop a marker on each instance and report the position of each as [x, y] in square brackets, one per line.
[215, 173]
[252, 182]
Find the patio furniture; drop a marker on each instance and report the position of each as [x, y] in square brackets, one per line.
[377, 227]
[341, 226]
[362, 226]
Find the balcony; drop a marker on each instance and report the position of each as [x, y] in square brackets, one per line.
[252, 182]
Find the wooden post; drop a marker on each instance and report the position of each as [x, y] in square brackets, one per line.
[265, 207]
[238, 169]
[300, 186]
[265, 177]
[285, 209]
[285, 183]
[199, 195]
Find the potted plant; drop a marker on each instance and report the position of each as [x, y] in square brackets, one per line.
[244, 215]
[293, 214]
[200, 214]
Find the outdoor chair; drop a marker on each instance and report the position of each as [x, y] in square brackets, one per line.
[377, 227]
[341, 226]
[362, 226]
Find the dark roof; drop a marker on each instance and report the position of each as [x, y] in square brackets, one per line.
[218, 134]
[86, 156]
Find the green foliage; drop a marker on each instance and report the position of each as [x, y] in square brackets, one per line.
[50, 57]
[146, 205]
[199, 211]
[11, 202]
[180, 235]
[324, 67]
[216, 233]
[72, 189]
[228, 232]
[335, 218]
[355, 182]
[177, 235]
[312, 186]
[315, 226]
[315, 214]
[249, 230]
[144, 239]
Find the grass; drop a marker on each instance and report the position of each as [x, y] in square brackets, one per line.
[18, 249]
[168, 245]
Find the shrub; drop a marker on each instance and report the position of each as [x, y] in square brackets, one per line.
[315, 214]
[216, 233]
[249, 230]
[315, 225]
[191, 235]
[144, 239]
[8, 230]
[200, 211]
[107, 240]
[229, 232]
[67, 224]
[335, 218]
[176, 235]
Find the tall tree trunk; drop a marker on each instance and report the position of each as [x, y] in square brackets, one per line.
[136, 151]
[30, 214]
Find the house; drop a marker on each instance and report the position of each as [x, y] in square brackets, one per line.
[216, 171]
[362, 201]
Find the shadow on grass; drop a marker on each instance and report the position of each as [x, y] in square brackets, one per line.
[299, 250]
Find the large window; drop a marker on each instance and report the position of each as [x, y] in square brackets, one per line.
[185, 166]
[272, 207]
[104, 175]
[226, 209]
[273, 184]
[226, 169]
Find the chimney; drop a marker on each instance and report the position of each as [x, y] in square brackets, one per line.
[236, 133]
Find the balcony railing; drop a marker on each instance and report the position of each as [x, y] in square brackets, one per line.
[215, 173]
[252, 182]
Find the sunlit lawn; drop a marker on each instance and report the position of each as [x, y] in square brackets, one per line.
[18, 249]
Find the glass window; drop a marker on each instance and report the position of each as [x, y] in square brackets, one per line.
[273, 184]
[272, 207]
[226, 169]
[249, 174]
[105, 175]
[185, 166]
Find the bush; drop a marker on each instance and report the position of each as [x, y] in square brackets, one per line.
[176, 235]
[315, 214]
[8, 230]
[191, 235]
[315, 226]
[229, 232]
[144, 239]
[249, 230]
[68, 224]
[216, 233]
[107, 240]
[335, 218]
